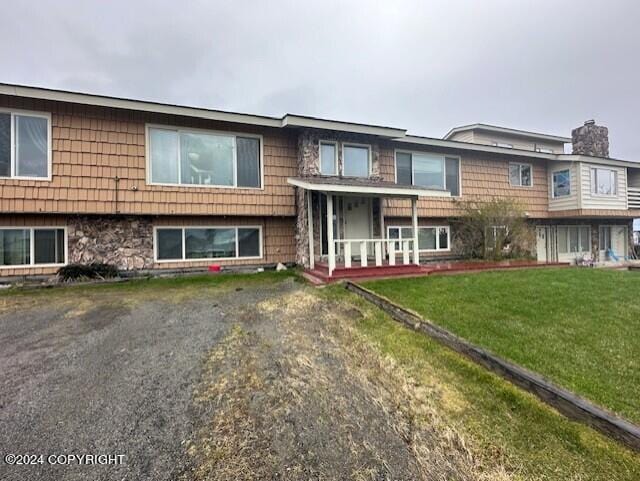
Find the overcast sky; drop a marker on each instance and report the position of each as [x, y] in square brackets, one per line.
[543, 65]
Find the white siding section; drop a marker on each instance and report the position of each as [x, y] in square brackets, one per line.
[594, 201]
[465, 136]
[570, 201]
[522, 143]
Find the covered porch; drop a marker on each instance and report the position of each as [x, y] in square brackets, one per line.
[345, 229]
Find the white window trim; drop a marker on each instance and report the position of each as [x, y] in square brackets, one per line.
[593, 174]
[553, 192]
[43, 115]
[183, 228]
[173, 128]
[520, 164]
[437, 227]
[32, 247]
[579, 227]
[335, 156]
[352, 144]
[444, 170]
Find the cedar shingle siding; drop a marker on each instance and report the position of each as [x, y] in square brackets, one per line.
[93, 145]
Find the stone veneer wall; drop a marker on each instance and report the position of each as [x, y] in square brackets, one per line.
[309, 165]
[126, 242]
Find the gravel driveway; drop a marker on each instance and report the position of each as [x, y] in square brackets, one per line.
[246, 380]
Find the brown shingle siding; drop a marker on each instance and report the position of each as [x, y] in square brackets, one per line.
[93, 145]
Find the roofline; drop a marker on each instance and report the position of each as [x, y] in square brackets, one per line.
[366, 189]
[140, 105]
[292, 120]
[456, 144]
[301, 121]
[507, 130]
[288, 120]
[597, 160]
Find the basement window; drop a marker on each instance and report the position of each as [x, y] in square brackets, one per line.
[25, 247]
[25, 145]
[208, 243]
[430, 239]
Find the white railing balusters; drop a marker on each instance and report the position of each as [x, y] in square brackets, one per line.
[377, 248]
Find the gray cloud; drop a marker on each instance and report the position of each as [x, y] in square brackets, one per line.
[423, 65]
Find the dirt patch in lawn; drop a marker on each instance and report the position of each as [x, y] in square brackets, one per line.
[294, 393]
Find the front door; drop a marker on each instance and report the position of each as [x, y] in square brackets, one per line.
[541, 243]
[356, 217]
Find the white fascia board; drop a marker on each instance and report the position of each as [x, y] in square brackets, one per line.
[508, 131]
[290, 120]
[452, 144]
[127, 104]
[597, 160]
[362, 189]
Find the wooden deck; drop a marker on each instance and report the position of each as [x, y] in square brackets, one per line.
[320, 273]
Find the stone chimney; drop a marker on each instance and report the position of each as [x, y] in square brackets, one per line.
[591, 139]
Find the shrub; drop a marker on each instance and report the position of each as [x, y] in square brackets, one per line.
[95, 270]
[495, 229]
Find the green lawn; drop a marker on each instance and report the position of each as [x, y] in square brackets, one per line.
[503, 425]
[578, 327]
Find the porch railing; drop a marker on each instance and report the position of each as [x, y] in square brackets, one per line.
[633, 194]
[378, 249]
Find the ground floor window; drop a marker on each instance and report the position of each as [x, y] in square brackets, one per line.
[573, 239]
[28, 246]
[432, 238]
[208, 243]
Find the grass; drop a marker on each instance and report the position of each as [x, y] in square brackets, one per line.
[166, 288]
[504, 425]
[577, 327]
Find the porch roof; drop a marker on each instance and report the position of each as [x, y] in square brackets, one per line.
[350, 185]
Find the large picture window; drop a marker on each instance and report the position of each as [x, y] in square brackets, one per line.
[603, 181]
[562, 183]
[208, 243]
[24, 247]
[424, 169]
[204, 158]
[25, 145]
[431, 238]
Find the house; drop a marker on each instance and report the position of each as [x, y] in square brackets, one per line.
[145, 185]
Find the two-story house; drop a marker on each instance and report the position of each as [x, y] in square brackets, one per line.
[146, 185]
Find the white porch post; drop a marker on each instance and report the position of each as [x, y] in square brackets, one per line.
[382, 233]
[414, 220]
[331, 246]
[312, 260]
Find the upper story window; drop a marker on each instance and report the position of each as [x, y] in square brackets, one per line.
[25, 145]
[520, 175]
[189, 157]
[603, 181]
[544, 150]
[433, 171]
[503, 144]
[328, 158]
[356, 160]
[561, 183]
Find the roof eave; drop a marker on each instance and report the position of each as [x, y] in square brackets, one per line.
[363, 189]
